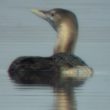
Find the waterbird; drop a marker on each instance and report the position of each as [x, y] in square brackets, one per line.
[62, 66]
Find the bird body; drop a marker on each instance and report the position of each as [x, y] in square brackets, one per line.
[48, 70]
[62, 65]
[62, 70]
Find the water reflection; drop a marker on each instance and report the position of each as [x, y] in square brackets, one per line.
[64, 95]
[62, 99]
[93, 95]
[65, 100]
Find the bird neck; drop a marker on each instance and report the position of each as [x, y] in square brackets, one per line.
[66, 38]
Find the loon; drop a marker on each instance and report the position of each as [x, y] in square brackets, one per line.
[56, 69]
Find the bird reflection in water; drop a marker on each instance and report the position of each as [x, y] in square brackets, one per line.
[63, 70]
[65, 100]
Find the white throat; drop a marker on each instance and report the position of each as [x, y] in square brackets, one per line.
[66, 38]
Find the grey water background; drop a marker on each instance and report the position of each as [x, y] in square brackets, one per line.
[24, 34]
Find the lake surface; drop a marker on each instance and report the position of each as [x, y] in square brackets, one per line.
[94, 95]
[24, 34]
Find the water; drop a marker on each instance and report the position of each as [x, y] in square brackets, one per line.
[22, 33]
[95, 94]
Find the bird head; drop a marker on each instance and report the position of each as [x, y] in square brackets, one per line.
[56, 16]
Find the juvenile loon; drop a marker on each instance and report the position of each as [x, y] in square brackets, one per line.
[62, 65]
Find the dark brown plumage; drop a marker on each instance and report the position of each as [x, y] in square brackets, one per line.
[43, 70]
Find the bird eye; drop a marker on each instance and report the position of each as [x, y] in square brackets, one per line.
[52, 14]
